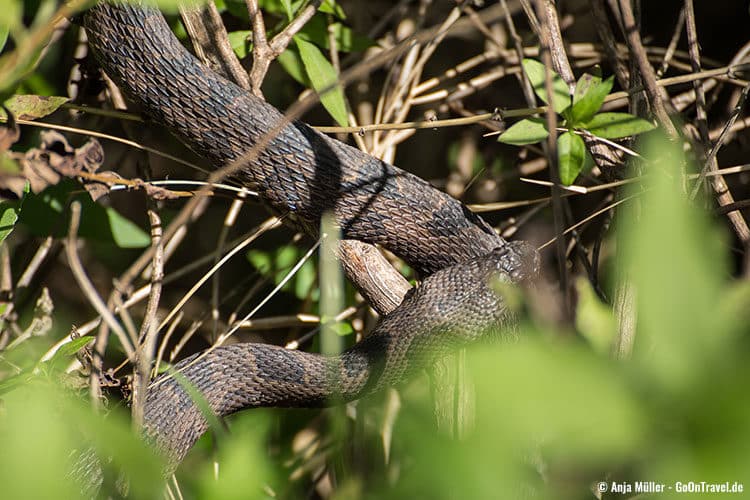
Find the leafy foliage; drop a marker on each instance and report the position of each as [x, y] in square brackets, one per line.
[555, 413]
[578, 114]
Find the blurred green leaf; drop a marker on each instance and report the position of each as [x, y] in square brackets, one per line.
[10, 17]
[675, 258]
[617, 125]
[9, 211]
[245, 471]
[66, 351]
[536, 72]
[539, 403]
[4, 30]
[588, 97]
[324, 80]
[42, 424]
[172, 6]
[331, 285]
[571, 156]
[527, 131]
[278, 263]
[594, 319]
[240, 42]
[289, 9]
[332, 7]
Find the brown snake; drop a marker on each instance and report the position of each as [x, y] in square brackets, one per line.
[303, 173]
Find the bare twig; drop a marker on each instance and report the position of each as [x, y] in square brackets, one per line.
[211, 42]
[264, 52]
[655, 95]
[147, 337]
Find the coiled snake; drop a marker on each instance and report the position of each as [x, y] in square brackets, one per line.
[304, 174]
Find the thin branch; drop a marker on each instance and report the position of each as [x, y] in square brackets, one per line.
[79, 273]
[653, 92]
[211, 42]
[147, 337]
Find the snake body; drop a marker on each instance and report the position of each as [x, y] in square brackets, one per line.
[303, 174]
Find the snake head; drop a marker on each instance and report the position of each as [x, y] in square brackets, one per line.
[519, 260]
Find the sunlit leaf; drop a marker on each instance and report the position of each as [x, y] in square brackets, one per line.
[10, 18]
[589, 97]
[527, 131]
[31, 107]
[324, 80]
[571, 156]
[124, 233]
[617, 125]
[536, 73]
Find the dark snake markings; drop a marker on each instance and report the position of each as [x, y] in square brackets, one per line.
[305, 173]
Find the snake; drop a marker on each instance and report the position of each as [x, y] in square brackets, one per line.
[304, 174]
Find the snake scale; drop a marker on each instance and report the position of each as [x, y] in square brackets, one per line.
[303, 173]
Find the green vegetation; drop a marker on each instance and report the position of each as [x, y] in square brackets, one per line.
[574, 409]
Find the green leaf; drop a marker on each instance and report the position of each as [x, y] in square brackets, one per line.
[340, 328]
[31, 107]
[617, 125]
[332, 7]
[594, 319]
[278, 263]
[44, 214]
[288, 9]
[66, 351]
[526, 131]
[10, 16]
[589, 97]
[317, 31]
[571, 156]
[124, 232]
[292, 63]
[172, 6]
[676, 257]
[240, 42]
[3, 36]
[9, 211]
[14, 381]
[237, 8]
[324, 80]
[536, 72]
